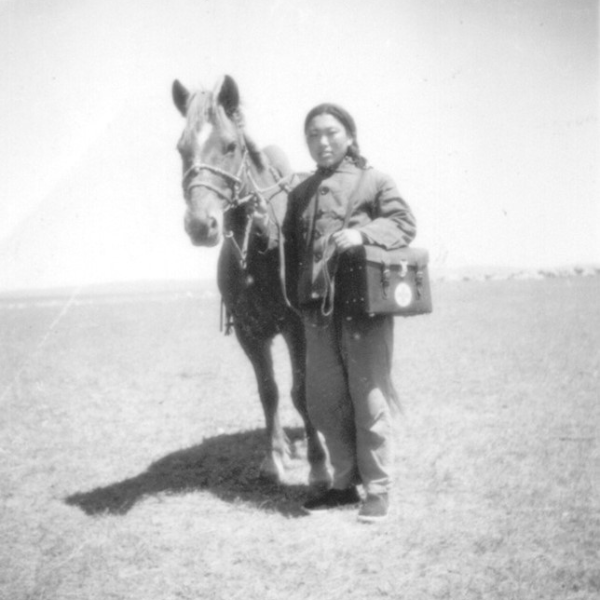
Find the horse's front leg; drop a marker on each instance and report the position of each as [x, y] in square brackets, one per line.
[259, 353]
[319, 476]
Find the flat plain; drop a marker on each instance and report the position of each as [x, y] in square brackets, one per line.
[131, 436]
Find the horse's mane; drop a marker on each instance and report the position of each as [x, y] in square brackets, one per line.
[256, 156]
[203, 107]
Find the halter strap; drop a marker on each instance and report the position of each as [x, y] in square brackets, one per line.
[234, 182]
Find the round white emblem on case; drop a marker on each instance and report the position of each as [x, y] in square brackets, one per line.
[403, 295]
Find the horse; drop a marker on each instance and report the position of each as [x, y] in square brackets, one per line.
[225, 176]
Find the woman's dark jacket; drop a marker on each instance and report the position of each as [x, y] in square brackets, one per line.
[319, 206]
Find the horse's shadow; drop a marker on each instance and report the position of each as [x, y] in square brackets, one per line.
[226, 465]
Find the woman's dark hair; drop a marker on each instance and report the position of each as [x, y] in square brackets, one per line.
[345, 118]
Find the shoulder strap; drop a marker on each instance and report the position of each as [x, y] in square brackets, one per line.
[353, 198]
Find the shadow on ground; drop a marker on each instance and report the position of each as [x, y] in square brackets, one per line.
[226, 465]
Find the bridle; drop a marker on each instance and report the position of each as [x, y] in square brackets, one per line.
[234, 182]
[242, 181]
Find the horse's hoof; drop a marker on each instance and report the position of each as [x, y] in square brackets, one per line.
[271, 470]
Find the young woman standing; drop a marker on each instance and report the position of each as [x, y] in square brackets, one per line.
[349, 358]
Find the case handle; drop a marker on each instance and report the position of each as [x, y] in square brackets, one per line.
[403, 269]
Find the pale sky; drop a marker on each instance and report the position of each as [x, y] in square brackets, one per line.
[485, 112]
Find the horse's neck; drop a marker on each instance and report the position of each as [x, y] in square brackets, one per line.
[238, 220]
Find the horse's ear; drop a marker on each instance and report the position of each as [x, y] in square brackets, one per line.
[228, 96]
[180, 96]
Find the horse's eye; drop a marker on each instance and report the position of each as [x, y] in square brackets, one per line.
[230, 149]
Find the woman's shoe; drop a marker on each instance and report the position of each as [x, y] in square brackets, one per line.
[375, 508]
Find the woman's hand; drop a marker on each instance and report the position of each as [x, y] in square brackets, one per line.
[347, 238]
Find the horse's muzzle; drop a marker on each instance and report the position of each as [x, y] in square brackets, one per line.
[202, 232]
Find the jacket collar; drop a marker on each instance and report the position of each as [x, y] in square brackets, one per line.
[346, 166]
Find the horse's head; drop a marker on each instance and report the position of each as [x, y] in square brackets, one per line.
[213, 151]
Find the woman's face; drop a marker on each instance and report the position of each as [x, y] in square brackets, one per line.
[327, 140]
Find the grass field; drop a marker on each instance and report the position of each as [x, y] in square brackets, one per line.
[132, 434]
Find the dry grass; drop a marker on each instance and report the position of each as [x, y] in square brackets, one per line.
[132, 436]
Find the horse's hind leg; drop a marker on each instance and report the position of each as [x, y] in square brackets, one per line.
[259, 353]
[319, 475]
